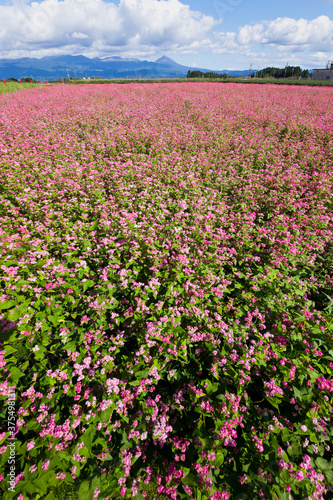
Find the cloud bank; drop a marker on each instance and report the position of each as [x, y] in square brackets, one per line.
[143, 28]
[97, 28]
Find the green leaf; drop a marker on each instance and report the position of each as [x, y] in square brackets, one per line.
[16, 374]
[323, 464]
[9, 349]
[105, 414]
[95, 483]
[211, 387]
[50, 496]
[87, 284]
[53, 319]
[88, 436]
[328, 476]
[189, 479]
[273, 401]
[297, 393]
[41, 483]
[218, 460]
[7, 304]
[84, 452]
[39, 355]
[84, 491]
[112, 487]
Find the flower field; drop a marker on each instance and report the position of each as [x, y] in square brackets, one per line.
[166, 302]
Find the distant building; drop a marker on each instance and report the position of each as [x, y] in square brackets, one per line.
[323, 74]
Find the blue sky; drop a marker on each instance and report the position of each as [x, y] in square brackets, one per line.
[213, 34]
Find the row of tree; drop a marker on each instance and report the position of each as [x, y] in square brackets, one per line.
[209, 74]
[287, 72]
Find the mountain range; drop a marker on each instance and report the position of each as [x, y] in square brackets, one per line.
[56, 67]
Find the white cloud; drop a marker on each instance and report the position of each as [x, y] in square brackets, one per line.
[95, 27]
[317, 33]
[301, 42]
[143, 28]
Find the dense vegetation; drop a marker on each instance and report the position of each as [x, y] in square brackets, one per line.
[12, 86]
[208, 74]
[166, 291]
[287, 72]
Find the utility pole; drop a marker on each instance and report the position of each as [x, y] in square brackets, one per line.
[285, 70]
[250, 70]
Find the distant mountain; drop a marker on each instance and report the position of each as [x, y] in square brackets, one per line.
[167, 61]
[56, 67]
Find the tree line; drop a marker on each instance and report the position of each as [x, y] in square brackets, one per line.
[287, 72]
[270, 72]
[209, 74]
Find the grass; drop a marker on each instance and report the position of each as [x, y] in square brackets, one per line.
[11, 87]
[281, 81]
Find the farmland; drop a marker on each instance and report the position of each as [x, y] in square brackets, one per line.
[166, 304]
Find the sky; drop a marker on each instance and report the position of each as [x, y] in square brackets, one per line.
[212, 34]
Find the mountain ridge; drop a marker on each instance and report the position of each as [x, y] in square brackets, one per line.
[64, 66]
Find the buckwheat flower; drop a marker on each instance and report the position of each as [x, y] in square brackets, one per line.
[61, 475]
[299, 475]
[282, 464]
[135, 487]
[30, 445]
[96, 493]
[303, 428]
[36, 348]
[230, 442]
[3, 449]
[242, 479]
[46, 464]
[33, 468]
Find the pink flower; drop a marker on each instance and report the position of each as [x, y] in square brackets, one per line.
[96, 493]
[30, 445]
[46, 464]
[230, 442]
